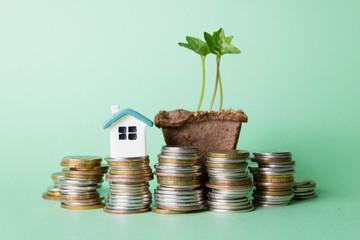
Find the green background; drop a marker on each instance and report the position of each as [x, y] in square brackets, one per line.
[64, 63]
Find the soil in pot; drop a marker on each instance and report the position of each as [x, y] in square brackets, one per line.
[208, 130]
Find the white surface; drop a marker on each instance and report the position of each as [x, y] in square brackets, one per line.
[127, 148]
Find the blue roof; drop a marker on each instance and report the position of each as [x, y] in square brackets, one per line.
[125, 112]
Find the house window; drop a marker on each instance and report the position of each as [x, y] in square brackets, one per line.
[131, 134]
[122, 129]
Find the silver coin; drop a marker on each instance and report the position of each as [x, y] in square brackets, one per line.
[273, 153]
[125, 209]
[273, 198]
[170, 204]
[176, 156]
[303, 190]
[179, 149]
[289, 164]
[272, 173]
[226, 160]
[78, 182]
[53, 189]
[83, 203]
[239, 210]
[128, 159]
[269, 205]
[79, 189]
[301, 194]
[263, 202]
[306, 197]
[131, 168]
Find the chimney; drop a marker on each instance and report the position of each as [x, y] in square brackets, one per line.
[114, 109]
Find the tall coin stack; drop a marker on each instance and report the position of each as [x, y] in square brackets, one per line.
[273, 178]
[129, 187]
[229, 181]
[83, 176]
[53, 192]
[178, 173]
[304, 188]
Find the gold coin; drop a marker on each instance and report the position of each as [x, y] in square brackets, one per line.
[79, 165]
[230, 183]
[85, 172]
[130, 172]
[102, 168]
[273, 176]
[84, 176]
[199, 207]
[179, 161]
[274, 186]
[165, 211]
[129, 179]
[228, 187]
[56, 176]
[79, 197]
[178, 174]
[229, 154]
[226, 165]
[129, 163]
[273, 193]
[179, 183]
[81, 161]
[82, 207]
[47, 197]
[273, 180]
[53, 194]
[161, 178]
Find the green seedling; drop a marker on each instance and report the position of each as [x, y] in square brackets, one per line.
[218, 45]
[201, 48]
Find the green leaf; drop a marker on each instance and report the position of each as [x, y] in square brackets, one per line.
[196, 45]
[210, 43]
[219, 44]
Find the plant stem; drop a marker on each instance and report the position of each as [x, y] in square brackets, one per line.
[216, 81]
[221, 92]
[203, 83]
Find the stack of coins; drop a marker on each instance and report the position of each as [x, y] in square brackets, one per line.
[53, 192]
[273, 178]
[83, 176]
[129, 188]
[304, 188]
[229, 181]
[178, 173]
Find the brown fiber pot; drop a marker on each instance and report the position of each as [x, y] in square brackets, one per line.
[207, 130]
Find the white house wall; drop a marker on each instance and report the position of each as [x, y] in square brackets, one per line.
[127, 148]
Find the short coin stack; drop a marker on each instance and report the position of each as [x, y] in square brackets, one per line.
[83, 176]
[273, 178]
[129, 189]
[229, 181]
[53, 192]
[178, 173]
[304, 188]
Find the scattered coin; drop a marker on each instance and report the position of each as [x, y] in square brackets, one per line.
[304, 188]
[53, 192]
